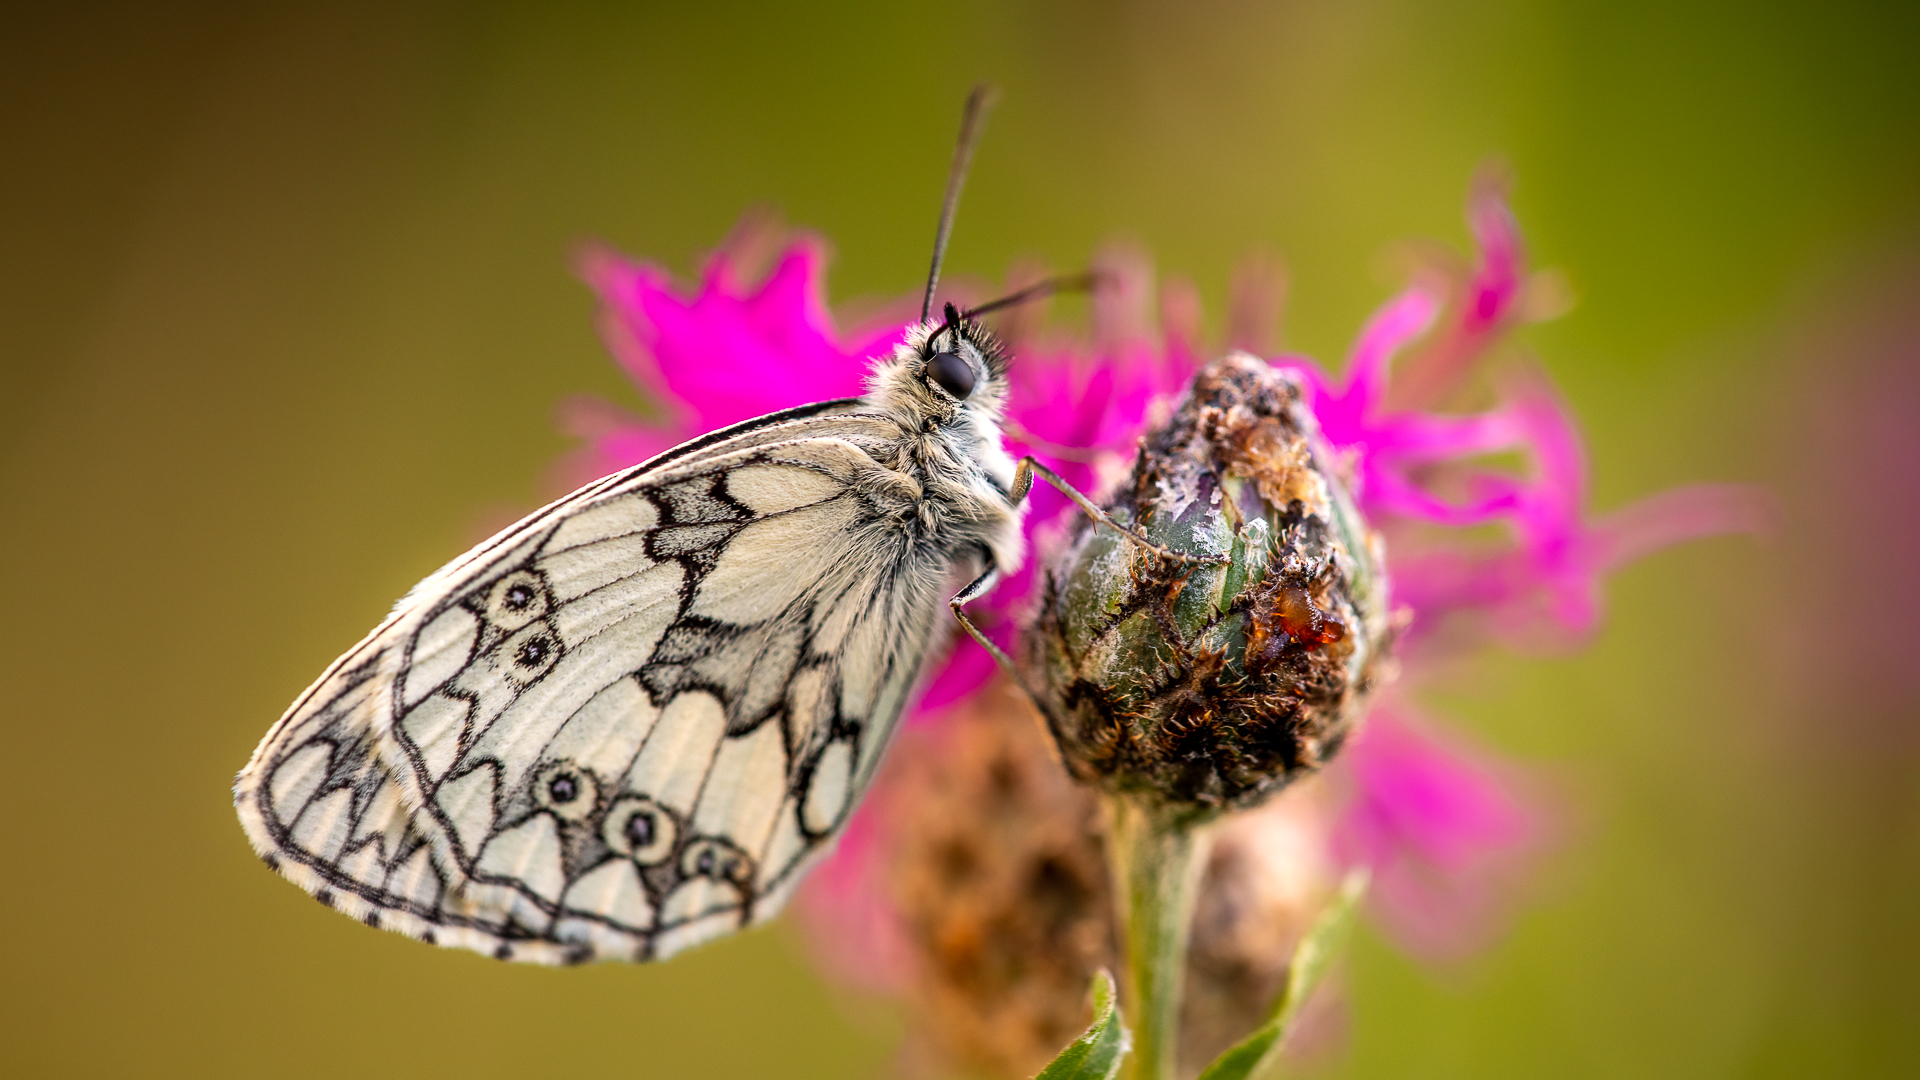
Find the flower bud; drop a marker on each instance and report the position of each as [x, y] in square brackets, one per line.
[1202, 685]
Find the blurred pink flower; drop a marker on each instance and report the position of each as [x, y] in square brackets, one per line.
[1547, 579]
[1442, 829]
[1438, 827]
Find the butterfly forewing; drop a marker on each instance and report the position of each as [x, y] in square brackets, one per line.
[626, 724]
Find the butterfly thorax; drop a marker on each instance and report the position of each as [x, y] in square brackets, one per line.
[953, 449]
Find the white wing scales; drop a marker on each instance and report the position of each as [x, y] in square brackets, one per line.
[627, 724]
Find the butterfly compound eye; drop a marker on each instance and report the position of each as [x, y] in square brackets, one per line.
[952, 374]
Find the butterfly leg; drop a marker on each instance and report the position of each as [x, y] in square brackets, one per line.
[1023, 483]
[980, 587]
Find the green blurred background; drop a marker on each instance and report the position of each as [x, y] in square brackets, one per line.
[285, 308]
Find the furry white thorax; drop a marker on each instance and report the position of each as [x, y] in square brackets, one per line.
[954, 449]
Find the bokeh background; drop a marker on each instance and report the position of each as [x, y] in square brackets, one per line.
[285, 308]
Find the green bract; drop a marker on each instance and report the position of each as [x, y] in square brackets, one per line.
[1215, 685]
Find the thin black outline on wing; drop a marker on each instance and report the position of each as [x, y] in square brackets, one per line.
[350, 798]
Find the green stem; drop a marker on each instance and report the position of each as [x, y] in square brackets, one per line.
[1156, 855]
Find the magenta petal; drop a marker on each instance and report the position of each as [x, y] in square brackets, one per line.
[1497, 279]
[967, 669]
[1419, 800]
[1405, 317]
[1553, 506]
[1412, 437]
[1570, 575]
[1389, 492]
[725, 354]
[1678, 515]
[1439, 830]
[618, 283]
[1502, 587]
[855, 934]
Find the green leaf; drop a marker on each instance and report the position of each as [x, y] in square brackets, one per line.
[1097, 1054]
[1311, 958]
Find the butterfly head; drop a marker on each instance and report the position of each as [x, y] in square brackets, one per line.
[949, 374]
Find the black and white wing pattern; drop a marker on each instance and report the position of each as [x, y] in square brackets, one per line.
[626, 724]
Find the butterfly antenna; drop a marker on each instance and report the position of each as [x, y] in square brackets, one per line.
[970, 121]
[1086, 282]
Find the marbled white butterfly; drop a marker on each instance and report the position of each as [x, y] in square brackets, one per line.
[628, 723]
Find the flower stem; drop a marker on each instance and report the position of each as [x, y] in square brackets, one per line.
[1156, 855]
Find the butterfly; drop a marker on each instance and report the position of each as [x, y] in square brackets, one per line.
[630, 722]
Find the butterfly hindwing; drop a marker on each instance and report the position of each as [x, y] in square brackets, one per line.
[626, 724]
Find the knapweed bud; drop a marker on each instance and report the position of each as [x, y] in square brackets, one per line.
[1212, 686]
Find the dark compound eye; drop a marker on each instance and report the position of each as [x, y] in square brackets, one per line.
[952, 374]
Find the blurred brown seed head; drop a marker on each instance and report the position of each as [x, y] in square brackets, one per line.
[1268, 876]
[996, 870]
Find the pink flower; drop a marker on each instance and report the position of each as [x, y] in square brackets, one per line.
[1438, 827]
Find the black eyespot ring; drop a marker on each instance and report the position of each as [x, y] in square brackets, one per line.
[951, 374]
[566, 789]
[641, 829]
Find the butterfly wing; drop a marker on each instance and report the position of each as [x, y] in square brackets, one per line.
[626, 724]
